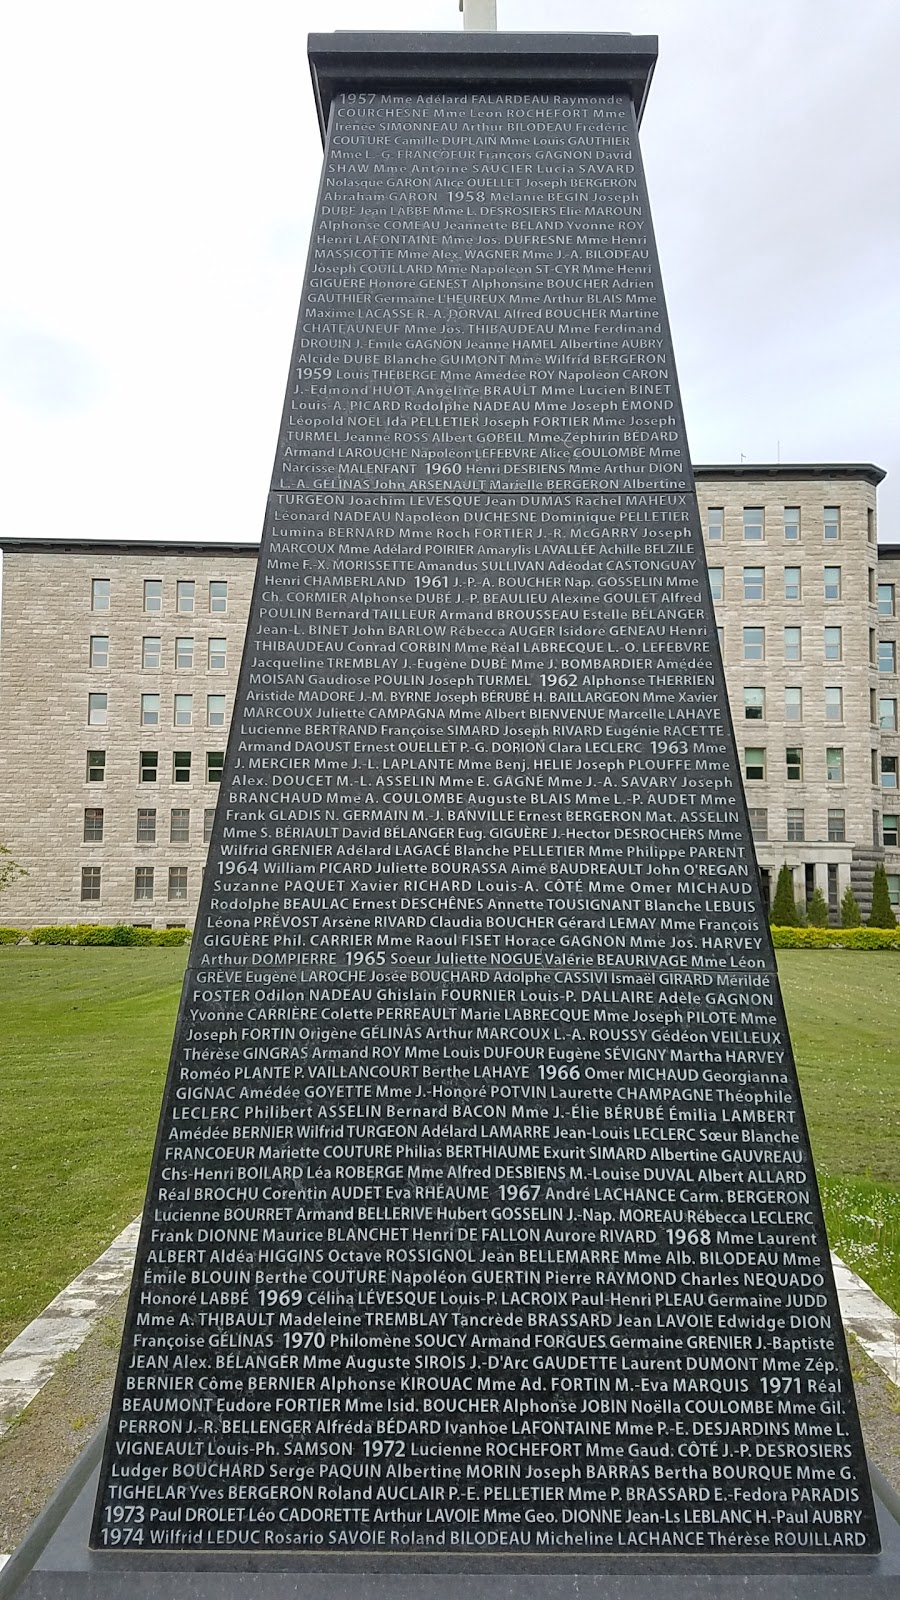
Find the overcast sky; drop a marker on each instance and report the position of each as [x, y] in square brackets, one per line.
[161, 163]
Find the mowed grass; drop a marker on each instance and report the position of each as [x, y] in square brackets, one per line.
[86, 1035]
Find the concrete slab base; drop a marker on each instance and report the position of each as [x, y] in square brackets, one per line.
[54, 1563]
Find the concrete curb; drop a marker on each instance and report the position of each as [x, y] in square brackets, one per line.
[870, 1321]
[32, 1358]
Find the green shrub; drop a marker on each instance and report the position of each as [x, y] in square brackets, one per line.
[817, 910]
[881, 915]
[851, 916]
[11, 935]
[96, 933]
[836, 938]
[784, 913]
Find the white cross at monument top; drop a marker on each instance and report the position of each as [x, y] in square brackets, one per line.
[479, 16]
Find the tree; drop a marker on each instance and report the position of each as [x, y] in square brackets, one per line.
[851, 916]
[817, 910]
[784, 913]
[9, 869]
[881, 914]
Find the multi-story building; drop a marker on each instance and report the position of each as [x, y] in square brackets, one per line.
[119, 661]
[118, 666]
[805, 603]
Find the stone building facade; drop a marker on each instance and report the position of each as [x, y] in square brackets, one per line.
[804, 599]
[119, 663]
[118, 667]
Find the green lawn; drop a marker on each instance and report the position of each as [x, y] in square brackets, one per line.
[86, 1035]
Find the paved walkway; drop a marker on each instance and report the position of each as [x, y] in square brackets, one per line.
[32, 1358]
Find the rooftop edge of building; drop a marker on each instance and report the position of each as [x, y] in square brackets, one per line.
[794, 469]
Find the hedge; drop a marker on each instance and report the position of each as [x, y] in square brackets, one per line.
[121, 933]
[11, 935]
[836, 938]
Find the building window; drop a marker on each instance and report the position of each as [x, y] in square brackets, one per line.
[759, 822]
[146, 825]
[99, 656]
[99, 594]
[837, 825]
[90, 883]
[93, 824]
[886, 600]
[215, 761]
[184, 595]
[890, 829]
[143, 883]
[184, 710]
[793, 705]
[871, 586]
[215, 711]
[754, 764]
[754, 705]
[149, 710]
[792, 523]
[217, 656]
[184, 655]
[874, 755]
[754, 644]
[887, 655]
[889, 772]
[793, 763]
[832, 888]
[754, 523]
[796, 824]
[870, 525]
[96, 766]
[834, 765]
[834, 705]
[716, 577]
[218, 595]
[893, 883]
[834, 646]
[178, 883]
[180, 825]
[832, 583]
[181, 766]
[832, 522]
[754, 583]
[792, 583]
[873, 708]
[793, 644]
[209, 813]
[715, 525]
[149, 766]
[97, 710]
[887, 714]
[153, 594]
[151, 653]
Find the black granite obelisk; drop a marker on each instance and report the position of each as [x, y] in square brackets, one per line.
[482, 1219]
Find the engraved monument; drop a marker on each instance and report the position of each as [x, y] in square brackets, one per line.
[482, 1222]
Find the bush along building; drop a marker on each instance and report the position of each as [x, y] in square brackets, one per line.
[118, 663]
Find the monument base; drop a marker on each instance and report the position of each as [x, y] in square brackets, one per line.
[54, 1563]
